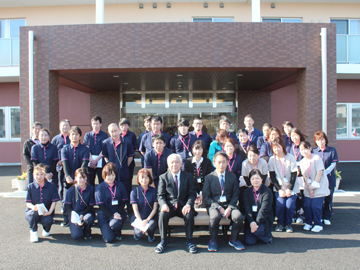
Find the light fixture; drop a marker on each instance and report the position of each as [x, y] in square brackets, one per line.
[231, 82]
[206, 5]
[154, 5]
[180, 96]
[239, 75]
[179, 75]
[221, 5]
[141, 5]
[224, 88]
[168, 5]
[125, 83]
[272, 5]
[116, 76]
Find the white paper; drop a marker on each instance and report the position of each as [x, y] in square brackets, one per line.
[242, 182]
[99, 164]
[138, 225]
[75, 218]
[41, 209]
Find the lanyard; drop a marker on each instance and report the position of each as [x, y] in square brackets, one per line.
[296, 155]
[183, 142]
[247, 143]
[256, 197]
[198, 134]
[251, 138]
[198, 169]
[230, 167]
[112, 193]
[222, 147]
[282, 169]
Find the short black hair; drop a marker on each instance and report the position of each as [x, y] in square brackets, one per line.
[200, 144]
[65, 120]
[75, 129]
[147, 118]
[197, 118]
[305, 144]
[219, 153]
[124, 121]
[242, 130]
[254, 172]
[36, 124]
[96, 118]
[156, 118]
[183, 122]
[253, 148]
[224, 119]
[158, 136]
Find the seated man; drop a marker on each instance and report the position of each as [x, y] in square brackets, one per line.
[176, 197]
[155, 159]
[221, 194]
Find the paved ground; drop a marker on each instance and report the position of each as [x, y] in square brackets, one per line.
[337, 247]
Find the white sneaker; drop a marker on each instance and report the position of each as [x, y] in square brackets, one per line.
[299, 220]
[307, 227]
[33, 237]
[317, 228]
[45, 233]
[326, 222]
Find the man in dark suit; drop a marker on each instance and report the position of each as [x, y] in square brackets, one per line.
[221, 194]
[176, 197]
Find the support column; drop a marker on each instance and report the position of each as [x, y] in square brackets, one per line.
[255, 11]
[99, 11]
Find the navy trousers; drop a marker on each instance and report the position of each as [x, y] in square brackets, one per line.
[251, 238]
[77, 231]
[327, 206]
[285, 209]
[92, 174]
[110, 228]
[313, 208]
[33, 218]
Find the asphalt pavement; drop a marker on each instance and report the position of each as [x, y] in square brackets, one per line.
[337, 247]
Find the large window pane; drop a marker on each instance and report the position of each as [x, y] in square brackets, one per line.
[179, 99]
[292, 20]
[155, 100]
[202, 20]
[15, 52]
[271, 20]
[5, 45]
[211, 122]
[225, 99]
[202, 100]
[355, 120]
[341, 26]
[341, 48]
[223, 19]
[15, 27]
[2, 123]
[353, 47]
[354, 27]
[341, 121]
[15, 122]
[2, 29]
[132, 100]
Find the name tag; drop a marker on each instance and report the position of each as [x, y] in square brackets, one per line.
[254, 208]
[199, 180]
[286, 180]
[190, 155]
[222, 198]
[298, 163]
[114, 202]
[309, 181]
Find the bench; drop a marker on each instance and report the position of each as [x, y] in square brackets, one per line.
[202, 219]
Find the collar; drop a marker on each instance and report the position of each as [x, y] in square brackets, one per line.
[194, 160]
[37, 185]
[72, 146]
[319, 149]
[198, 133]
[218, 174]
[252, 130]
[258, 191]
[184, 137]
[116, 144]
[152, 132]
[96, 133]
[178, 175]
[124, 133]
[233, 156]
[44, 146]
[79, 188]
[107, 185]
[160, 153]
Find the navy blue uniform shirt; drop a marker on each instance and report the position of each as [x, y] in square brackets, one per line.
[60, 141]
[260, 141]
[103, 195]
[123, 151]
[158, 165]
[203, 137]
[140, 137]
[95, 141]
[328, 156]
[46, 194]
[88, 195]
[265, 149]
[287, 140]
[234, 165]
[146, 141]
[75, 156]
[231, 135]
[182, 145]
[45, 154]
[137, 197]
[254, 135]
[295, 151]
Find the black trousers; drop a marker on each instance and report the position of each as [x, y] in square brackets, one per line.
[164, 221]
[237, 223]
[92, 174]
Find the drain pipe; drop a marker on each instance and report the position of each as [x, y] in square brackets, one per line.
[324, 78]
[31, 78]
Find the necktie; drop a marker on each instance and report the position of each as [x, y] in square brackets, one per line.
[222, 184]
[177, 191]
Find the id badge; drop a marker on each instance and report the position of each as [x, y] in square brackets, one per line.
[190, 155]
[114, 202]
[285, 180]
[199, 180]
[254, 208]
[222, 198]
[309, 181]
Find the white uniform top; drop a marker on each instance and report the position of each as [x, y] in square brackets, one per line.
[279, 167]
[262, 166]
[314, 165]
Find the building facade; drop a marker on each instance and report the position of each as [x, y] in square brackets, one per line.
[180, 59]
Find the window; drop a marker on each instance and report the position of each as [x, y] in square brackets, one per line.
[213, 19]
[347, 41]
[348, 121]
[283, 20]
[9, 41]
[9, 124]
[11, 28]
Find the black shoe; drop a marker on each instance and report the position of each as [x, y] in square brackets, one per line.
[160, 248]
[64, 224]
[270, 240]
[191, 248]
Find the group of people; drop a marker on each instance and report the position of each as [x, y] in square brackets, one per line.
[249, 177]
